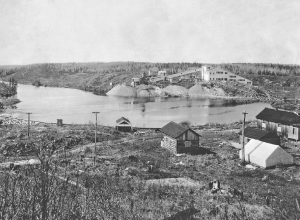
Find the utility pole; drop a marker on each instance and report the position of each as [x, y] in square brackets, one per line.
[28, 122]
[243, 138]
[96, 113]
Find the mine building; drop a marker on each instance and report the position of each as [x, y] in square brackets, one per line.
[217, 74]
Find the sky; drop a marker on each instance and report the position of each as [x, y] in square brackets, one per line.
[204, 31]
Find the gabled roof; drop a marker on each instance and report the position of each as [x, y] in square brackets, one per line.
[255, 133]
[122, 119]
[279, 116]
[174, 130]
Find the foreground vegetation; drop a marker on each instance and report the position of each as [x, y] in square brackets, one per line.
[132, 177]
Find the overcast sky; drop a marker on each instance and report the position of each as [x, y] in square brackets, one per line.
[207, 31]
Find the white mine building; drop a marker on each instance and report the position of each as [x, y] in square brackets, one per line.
[209, 74]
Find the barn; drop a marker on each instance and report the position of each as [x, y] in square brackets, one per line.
[123, 124]
[179, 139]
[258, 134]
[266, 155]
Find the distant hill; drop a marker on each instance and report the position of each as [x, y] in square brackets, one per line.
[96, 76]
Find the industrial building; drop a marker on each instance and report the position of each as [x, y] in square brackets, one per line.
[210, 73]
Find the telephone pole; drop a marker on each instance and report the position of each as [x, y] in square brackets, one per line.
[243, 138]
[96, 113]
[28, 122]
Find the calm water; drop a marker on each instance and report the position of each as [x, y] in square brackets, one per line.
[75, 106]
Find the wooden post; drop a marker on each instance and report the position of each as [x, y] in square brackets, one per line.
[95, 136]
[243, 139]
[297, 205]
[28, 122]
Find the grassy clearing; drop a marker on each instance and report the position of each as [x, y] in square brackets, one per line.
[120, 184]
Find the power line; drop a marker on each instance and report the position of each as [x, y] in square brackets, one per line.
[96, 113]
[243, 138]
[28, 122]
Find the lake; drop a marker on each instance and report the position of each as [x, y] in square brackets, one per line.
[48, 104]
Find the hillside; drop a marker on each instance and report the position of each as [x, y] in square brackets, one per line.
[273, 82]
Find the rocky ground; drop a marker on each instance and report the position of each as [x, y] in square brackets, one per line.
[177, 182]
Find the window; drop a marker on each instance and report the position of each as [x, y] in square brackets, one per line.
[232, 76]
[263, 125]
[248, 82]
[278, 129]
[225, 72]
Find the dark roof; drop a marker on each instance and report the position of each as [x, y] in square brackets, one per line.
[278, 116]
[174, 130]
[255, 133]
[122, 119]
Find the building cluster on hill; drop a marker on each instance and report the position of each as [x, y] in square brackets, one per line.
[206, 73]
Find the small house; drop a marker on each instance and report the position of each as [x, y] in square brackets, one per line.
[135, 81]
[261, 135]
[266, 155]
[179, 139]
[281, 122]
[123, 124]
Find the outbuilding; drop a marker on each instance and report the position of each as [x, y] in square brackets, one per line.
[123, 124]
[266, 155]
[179, 139]
[258, 134]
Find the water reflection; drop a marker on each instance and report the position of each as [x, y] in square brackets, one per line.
[74, 106]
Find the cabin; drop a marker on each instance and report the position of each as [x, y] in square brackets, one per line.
[266, 155]
[123, 124]
[261, 135]
[179, 139]
[281, 122]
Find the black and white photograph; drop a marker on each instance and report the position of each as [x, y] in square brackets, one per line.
[149, 110]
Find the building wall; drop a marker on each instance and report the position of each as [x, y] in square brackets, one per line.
[187, 146]
[123, 128]
[293, 133]
[188, 136]
[286, 131]
[219, 74]
[169, 143]
[279, 157]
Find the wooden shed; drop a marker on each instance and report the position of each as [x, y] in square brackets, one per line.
[179, 139]
[123, 124]
[281, 122]
[258, 134]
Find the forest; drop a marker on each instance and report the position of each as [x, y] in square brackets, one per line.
[99, 67]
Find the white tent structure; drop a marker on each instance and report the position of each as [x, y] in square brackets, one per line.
[266, 155]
